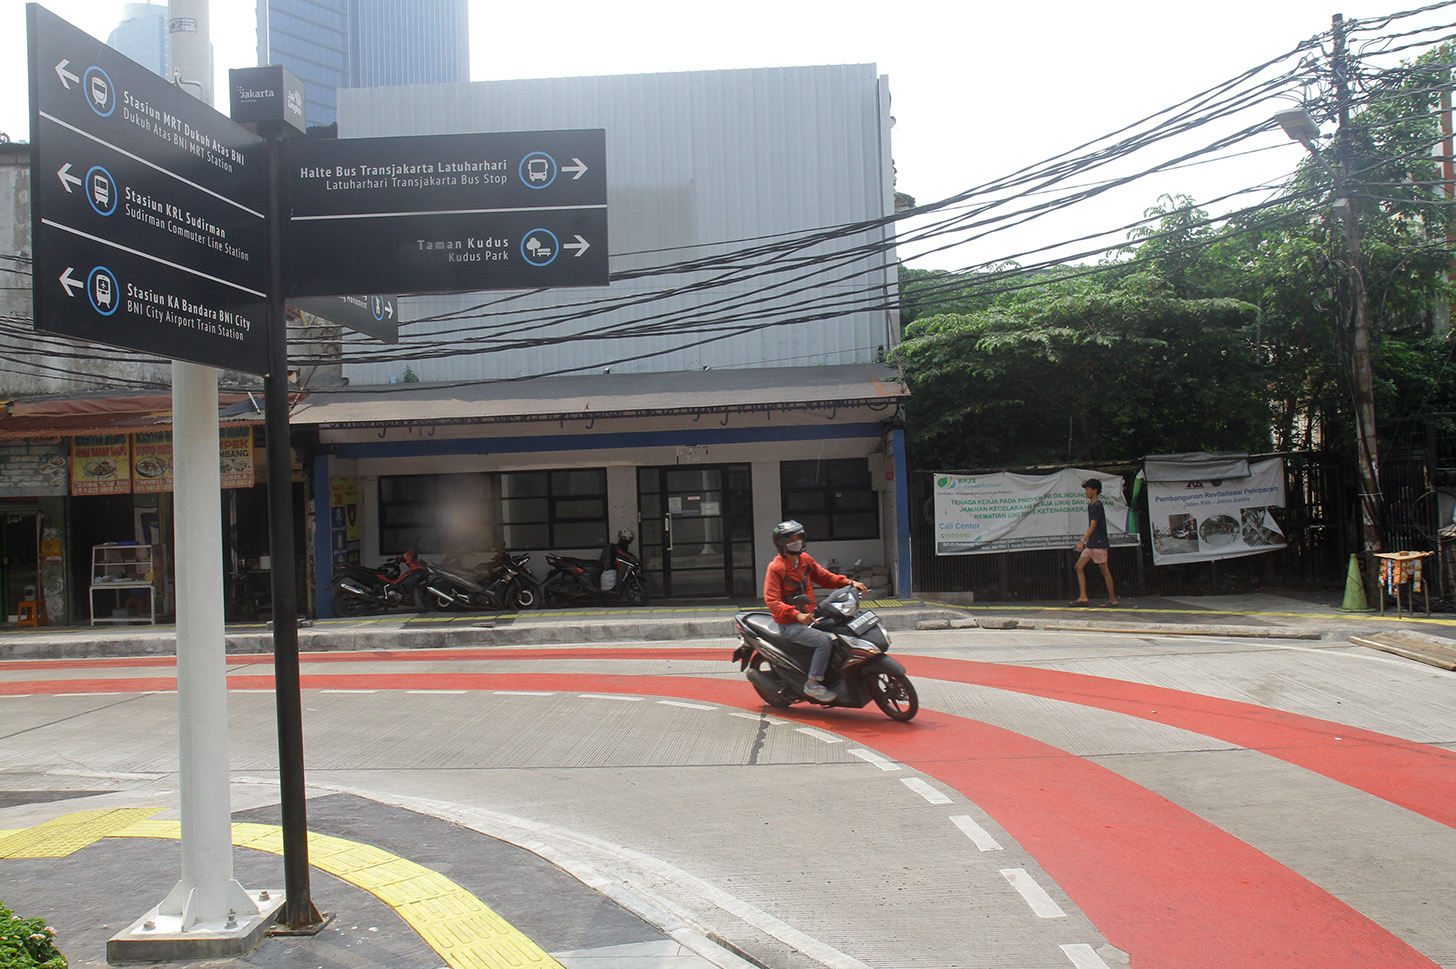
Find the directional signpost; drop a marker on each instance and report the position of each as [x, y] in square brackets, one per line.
[162, 226]
[147, 209]
[446, 213]
[376, 315]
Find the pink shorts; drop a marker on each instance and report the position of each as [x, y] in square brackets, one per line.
[1098, 555]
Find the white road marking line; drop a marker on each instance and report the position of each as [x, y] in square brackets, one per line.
[348, 691]
[979, 835]
[1083, 956]
[523, 692]
[817, 734]
[1041, 903]
[690, 706]
[924, 790]
[758, 718]
[869, 756]
[609, 696]
[431, 692]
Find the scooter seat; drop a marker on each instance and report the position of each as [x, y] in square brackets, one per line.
[760, 623]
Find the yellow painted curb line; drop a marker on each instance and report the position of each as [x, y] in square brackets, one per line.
[465, 931]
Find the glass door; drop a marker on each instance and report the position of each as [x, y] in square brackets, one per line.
[697, 529]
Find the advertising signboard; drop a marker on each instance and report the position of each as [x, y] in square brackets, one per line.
[148, 208]
[446, 213]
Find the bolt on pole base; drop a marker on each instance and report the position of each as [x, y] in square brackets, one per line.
[156, 937]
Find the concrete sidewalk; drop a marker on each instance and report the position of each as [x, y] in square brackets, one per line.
[1270, 615]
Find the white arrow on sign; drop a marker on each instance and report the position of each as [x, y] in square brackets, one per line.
[68, 281]
[388, 310]
[577, 166]
[66, 76]
[580, 245]
[67, 178]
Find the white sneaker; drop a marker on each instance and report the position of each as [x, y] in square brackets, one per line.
[815, 690]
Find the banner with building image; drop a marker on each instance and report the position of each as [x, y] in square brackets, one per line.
[1206, 507]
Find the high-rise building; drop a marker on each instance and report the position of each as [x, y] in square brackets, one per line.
[142, 35]
[333, 44]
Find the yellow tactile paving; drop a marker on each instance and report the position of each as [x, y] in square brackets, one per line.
[70, 833]
[465, 931]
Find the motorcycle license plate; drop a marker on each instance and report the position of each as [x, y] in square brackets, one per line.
[863, 621]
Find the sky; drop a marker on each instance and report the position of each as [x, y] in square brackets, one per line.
[979, 88]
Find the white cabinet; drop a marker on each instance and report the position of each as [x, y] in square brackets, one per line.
[121, 574]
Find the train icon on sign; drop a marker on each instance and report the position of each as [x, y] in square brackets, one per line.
[102, 289]
[100, 92]
[101, 190]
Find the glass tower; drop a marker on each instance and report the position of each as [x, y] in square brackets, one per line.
[332, 44]
[142, 35]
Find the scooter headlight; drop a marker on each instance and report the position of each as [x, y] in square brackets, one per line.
[843, 608]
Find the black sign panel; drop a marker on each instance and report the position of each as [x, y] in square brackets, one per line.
[446, 213]
[376, 315]
[148, 208]
[263, 94]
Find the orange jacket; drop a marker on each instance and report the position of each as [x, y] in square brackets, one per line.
[783, 581]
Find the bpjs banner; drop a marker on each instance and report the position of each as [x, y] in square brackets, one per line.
[1020, 512]
[1200, 509]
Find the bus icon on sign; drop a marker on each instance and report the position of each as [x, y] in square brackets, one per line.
[538, 170]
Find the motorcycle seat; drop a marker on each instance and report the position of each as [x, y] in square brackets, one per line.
[761, 623]
[581, 563]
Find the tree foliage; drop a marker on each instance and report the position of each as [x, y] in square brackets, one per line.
[1204, 334]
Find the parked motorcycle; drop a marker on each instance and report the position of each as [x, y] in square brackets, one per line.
[396, 583]
[615, 575]
[507, 583]
[859, 671]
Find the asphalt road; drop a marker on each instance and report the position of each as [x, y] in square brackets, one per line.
[1064, 799]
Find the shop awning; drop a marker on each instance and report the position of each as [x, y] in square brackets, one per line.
[606, 395]
[68, 417]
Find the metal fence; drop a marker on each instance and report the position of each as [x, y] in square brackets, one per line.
[1320, 520]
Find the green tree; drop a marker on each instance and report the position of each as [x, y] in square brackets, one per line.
[1082, 373]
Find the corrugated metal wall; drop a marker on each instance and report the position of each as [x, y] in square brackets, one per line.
[699, 164]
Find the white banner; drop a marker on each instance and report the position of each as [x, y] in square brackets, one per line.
[1202, 520]
[1018, 512]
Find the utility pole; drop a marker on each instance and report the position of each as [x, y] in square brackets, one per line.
[1367, 447]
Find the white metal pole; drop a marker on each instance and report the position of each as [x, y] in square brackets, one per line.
[207, 892]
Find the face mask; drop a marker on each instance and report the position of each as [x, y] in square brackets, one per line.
[794, 547]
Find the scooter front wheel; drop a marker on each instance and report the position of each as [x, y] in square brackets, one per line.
[894, 694]
[523, 597]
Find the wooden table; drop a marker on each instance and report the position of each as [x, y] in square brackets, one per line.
[1403, 570]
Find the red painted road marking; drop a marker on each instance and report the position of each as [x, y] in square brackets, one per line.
[1159, 882]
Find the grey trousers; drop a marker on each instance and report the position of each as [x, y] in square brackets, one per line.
[816, 639]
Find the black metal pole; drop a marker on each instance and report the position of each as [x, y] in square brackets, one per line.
[299, 914]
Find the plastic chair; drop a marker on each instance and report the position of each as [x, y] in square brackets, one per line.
[32, 612]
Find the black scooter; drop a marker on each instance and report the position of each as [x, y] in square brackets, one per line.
[507, 584]
[859, 671]
[591, 580]
[395, 584]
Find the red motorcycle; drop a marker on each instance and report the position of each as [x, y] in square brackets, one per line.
[396, 583]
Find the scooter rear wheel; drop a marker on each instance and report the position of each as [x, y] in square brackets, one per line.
[347, 603]
[524, 597]
[894, 694]
[634, 590]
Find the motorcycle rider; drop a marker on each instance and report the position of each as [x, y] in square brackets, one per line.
[793, 572]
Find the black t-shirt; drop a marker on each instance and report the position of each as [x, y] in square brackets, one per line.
[1097, 516]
